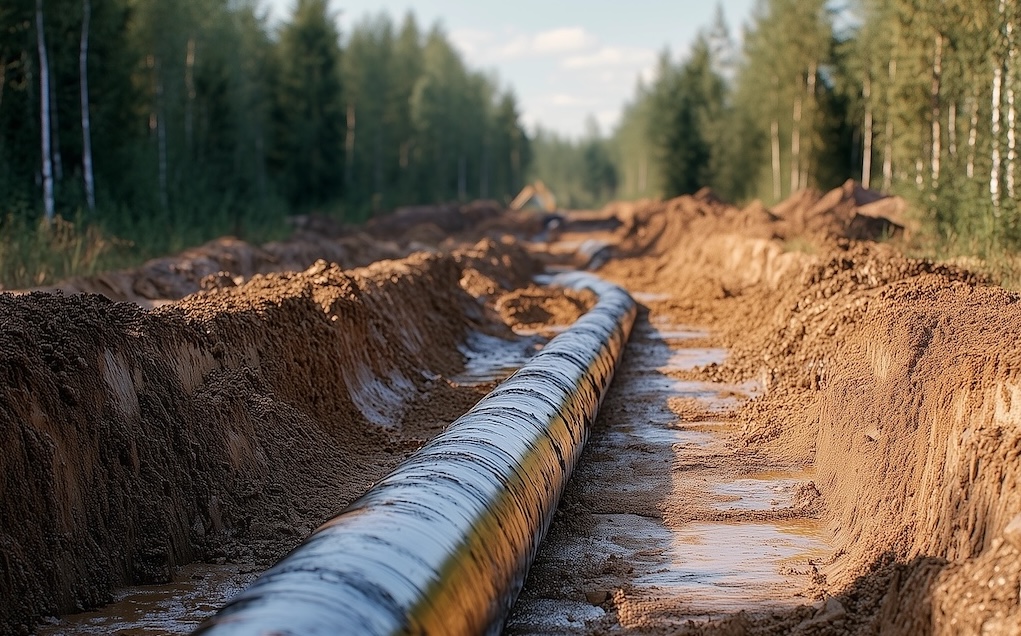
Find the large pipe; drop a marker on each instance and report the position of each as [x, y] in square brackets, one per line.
[442, 545]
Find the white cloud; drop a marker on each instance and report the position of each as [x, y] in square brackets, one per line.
[573, 74]
[519, 46]
[564, 40]
[611, 56]
[497, 47]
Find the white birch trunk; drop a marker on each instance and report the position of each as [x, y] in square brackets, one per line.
[58, 165]
[774, 131]
[937, 76]
[888, 140]
[952, 129]
[1011, 113]
[44, 113]
[83, 69]
[806, 164]
[994, 173]
[972, 136]
[796, 140]
[866, 160]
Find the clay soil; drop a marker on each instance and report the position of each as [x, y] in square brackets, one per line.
[219, 405]
[896, 381]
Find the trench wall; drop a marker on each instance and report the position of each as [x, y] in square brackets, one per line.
[135, 441]
[901, 380]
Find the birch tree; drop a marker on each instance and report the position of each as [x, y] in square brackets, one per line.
[44, 113]
[994, 175]
[83, 69]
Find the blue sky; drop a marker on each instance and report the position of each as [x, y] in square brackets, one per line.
[565, 59]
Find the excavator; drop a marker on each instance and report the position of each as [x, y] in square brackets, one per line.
[591, 253]
[537, 197]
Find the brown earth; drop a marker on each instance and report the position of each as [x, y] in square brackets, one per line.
[898, 379]
[138, 440]
[230, 261]
[225, 426]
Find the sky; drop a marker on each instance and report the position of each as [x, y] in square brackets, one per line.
[564, 59]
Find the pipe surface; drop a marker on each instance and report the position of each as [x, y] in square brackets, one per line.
[442, 545]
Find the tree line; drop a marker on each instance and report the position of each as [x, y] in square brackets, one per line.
[155, 118]
[914, 97]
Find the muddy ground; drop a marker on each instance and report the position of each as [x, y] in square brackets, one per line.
[884, 391]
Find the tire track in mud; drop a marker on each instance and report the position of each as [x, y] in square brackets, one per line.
[667, 522]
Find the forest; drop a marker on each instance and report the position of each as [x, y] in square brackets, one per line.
[143, 126]
[135, 127]
[912, 97]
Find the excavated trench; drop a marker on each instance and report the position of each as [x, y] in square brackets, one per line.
[442, 544]
[805, 434]
[666, 522]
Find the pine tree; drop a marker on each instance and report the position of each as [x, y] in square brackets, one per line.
[310, 110]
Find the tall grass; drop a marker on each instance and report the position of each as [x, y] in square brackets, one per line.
[36, 253]
[960, 226]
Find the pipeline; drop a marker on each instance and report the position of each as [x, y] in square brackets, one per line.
[442, 545]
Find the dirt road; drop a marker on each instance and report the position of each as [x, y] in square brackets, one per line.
[810, 433]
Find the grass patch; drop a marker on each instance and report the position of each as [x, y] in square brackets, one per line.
[32, 255]
[37, 254]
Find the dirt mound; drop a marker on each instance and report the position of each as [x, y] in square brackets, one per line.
[535, 308]
[849, 211]
[898, 378]
[652, 227]
[450, 218]
[228, 261]
[912, 383]
[136, 440]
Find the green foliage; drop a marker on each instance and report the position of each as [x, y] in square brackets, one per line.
[206, 121]
[688, 107]
[943, 81]
[38, 253]
[309, 109]
[582, 173]
[913, 97]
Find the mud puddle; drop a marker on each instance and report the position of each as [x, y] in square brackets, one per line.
[489, 359]
[665, 522]
[718, 568]
[197, 592]
[770, 490]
